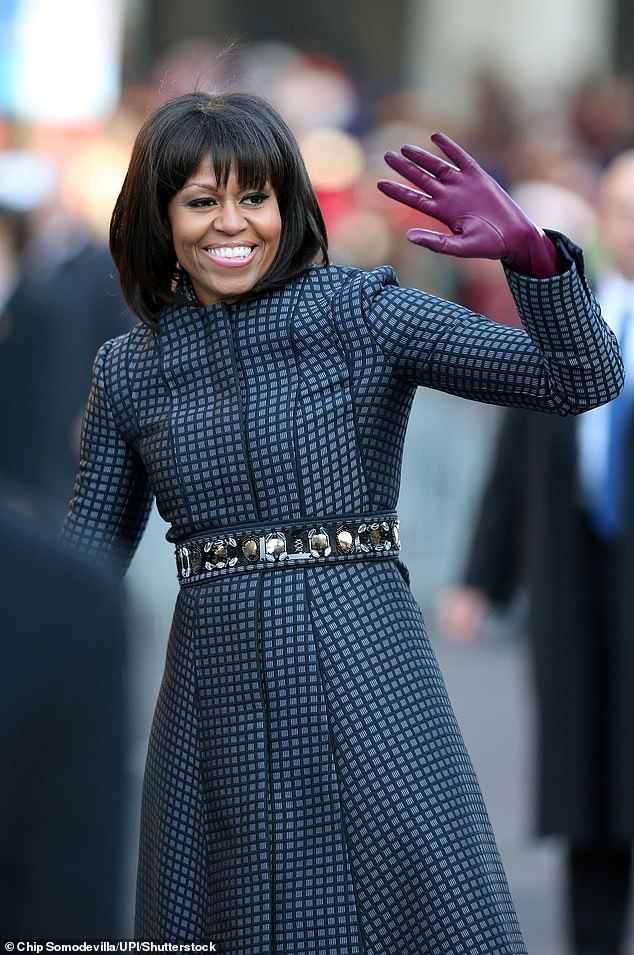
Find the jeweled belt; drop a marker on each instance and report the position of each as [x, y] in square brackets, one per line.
[287, 543]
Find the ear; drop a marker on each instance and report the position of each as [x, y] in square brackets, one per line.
[176, 277]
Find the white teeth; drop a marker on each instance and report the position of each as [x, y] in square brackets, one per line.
[231, 252]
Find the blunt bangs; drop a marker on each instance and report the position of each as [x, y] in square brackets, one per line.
[234, 141]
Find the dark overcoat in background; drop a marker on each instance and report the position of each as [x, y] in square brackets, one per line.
[63, 741]
[533, 531]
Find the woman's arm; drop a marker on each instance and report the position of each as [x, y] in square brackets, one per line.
[112, 499]
[565, 360]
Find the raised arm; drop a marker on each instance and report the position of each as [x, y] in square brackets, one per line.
[565, 360]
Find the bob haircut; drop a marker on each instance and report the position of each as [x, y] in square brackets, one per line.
[237, 131]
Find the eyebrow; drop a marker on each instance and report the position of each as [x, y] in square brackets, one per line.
[212, 186]
[196, 184]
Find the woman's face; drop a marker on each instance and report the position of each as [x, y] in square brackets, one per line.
[226, 237]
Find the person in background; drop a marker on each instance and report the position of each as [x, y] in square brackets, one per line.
[557, 519]
[61, 303]
[64, 740]
[307, 787]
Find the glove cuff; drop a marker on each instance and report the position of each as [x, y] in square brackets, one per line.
[536, 257]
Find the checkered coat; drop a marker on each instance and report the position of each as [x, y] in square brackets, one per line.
[307, 788]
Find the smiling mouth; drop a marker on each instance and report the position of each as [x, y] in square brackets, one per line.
[231, 254]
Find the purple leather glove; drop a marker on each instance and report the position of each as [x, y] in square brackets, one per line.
[483, 218]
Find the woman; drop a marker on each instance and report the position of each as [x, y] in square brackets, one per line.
[307, 788]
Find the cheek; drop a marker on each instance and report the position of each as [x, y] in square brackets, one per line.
[180, 229]
[276, 233]
[275, 224]
[182, 243]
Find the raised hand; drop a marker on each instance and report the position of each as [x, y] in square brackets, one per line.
[484, 221]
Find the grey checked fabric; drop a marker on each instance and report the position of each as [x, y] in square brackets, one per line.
[307, 788]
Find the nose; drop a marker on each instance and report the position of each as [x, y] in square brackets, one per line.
[230, 218]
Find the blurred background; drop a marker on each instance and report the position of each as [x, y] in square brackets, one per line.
[541, 93]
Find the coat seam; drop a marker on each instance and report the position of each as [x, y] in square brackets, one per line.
[344, 831]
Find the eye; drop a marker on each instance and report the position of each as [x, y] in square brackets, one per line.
[203, 202]
[255, 198]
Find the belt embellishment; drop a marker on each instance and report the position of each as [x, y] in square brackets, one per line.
[310, 542]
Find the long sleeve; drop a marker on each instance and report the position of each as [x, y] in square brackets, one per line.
[564, 360]
[112, 498]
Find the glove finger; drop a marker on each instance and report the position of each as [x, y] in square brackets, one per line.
[458, 156]
[441, 169]
[460, 246]
[406, 195]
[435, 241]
[411, 171]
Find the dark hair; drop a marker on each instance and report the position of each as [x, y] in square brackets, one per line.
[236, 130]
